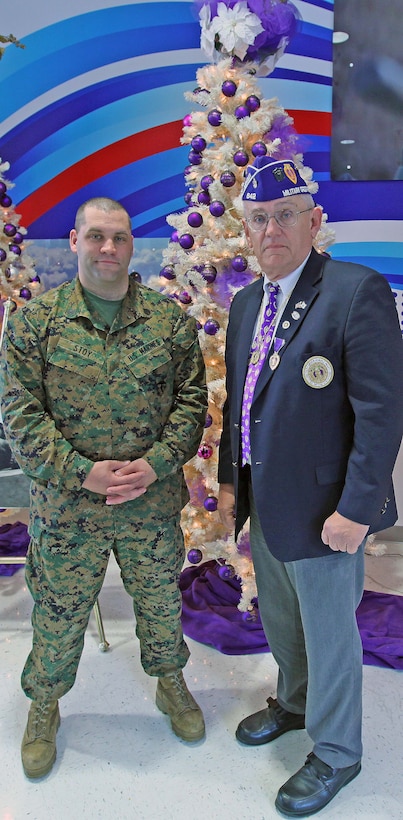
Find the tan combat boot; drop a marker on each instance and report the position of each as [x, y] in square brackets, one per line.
[174, 699]
[38, 749]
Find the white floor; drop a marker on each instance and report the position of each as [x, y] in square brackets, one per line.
[117, 757]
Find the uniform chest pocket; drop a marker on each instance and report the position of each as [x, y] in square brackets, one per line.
[155, 365]
[78, 362]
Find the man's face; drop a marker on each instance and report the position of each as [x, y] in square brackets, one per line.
[104, 247]
[279, 250]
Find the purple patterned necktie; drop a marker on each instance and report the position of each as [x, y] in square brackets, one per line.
[259, 349]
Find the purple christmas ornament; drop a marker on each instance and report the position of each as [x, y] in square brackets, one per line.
[35, 278]
[209, 273]
[18, 238]
[211, 327]
[194, 556]
[188, 198]
[209, 420]
[242, 111]
[186, 241]
[198, 143]
[9, 229]
[174, 236]
[3, 188]
[187, 121]
[229, 88]
[214, 117]
[252, 103]
[259, 149]
[6, 201]
[239, 263]
[185, 297]
[195, 219]
[25, 293]
[3, 255]
[210, 503]
[216, 208]
[15, 249]
[206, 181]
[168, 272]
[227, 179]
[226, 572]
[195, 158]
[240, 157]
[204, 198]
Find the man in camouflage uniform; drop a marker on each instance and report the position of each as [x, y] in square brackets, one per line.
[103, 402]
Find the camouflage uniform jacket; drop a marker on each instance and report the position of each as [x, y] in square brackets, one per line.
[75, 392]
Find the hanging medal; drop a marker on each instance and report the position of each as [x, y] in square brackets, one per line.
[274, 359]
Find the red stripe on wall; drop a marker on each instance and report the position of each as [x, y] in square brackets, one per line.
[312, 122]
[105, 161]
[128, 150]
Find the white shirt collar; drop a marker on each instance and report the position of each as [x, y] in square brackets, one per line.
[286, 283]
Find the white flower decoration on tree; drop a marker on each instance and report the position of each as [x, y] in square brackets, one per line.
[230, 32]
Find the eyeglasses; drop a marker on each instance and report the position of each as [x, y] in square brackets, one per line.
[286, 218]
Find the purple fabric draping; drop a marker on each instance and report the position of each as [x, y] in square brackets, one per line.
[14, 540]
[210, 616]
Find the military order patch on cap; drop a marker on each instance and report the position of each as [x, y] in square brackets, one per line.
[270, 179]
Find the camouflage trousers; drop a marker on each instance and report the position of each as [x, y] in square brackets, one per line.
[65, 576]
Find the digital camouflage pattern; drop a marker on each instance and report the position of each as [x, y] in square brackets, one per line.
[74, 392]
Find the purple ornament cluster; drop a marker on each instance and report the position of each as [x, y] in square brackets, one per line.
[202, 197]
[11, 231]
[14, 246]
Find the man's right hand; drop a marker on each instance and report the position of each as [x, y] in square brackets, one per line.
[226, 505]
[102, 475]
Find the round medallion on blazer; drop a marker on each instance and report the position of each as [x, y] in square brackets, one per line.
[317, 372]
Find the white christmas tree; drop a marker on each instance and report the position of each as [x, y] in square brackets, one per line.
[208, 258]
[18, 279]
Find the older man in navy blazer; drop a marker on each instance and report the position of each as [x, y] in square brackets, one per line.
[312, 425]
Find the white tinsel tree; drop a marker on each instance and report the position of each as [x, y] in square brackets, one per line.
[208, 258]
[18, 279]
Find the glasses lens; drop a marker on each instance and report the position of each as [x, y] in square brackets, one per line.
[258, 222]
[287, 217]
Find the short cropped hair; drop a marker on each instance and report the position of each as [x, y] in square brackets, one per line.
[102, 203]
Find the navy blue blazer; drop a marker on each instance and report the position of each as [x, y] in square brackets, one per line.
[327, 422]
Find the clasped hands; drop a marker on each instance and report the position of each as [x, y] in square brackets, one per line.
[120, 481]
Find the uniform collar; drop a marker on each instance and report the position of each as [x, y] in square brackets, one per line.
[133, 305]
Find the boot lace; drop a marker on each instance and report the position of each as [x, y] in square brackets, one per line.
[40, 719]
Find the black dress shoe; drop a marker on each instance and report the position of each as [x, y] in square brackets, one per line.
[266, 725]
[313, 787]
